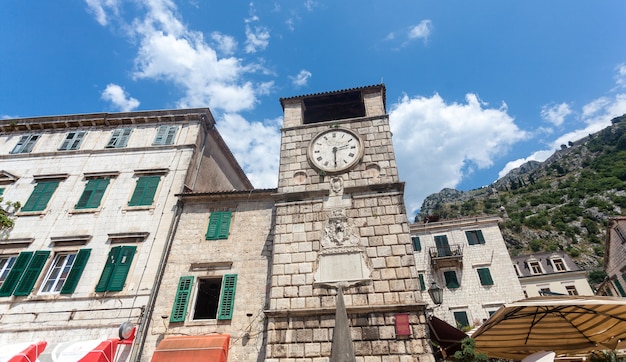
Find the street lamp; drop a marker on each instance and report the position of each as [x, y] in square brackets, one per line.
[436, 293]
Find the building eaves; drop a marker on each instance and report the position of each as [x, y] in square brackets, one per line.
[228, 195]
[312, 95]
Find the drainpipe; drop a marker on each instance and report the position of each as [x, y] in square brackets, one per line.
[142, 330]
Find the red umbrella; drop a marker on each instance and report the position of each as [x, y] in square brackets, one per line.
[31, 353]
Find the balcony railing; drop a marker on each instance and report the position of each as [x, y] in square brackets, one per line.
[446, 256]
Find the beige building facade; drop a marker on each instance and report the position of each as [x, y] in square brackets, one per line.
[468, 259]
[98, 195]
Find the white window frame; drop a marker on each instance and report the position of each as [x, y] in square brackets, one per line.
[57, 278]
[192, 311]
[562, 263]
[532, 271]
[6, 264]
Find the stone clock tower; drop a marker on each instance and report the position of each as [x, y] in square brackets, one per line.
[343, 280]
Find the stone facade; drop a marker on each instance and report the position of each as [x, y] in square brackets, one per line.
[346, 229]
[245, 251]
[615, 259]
[550, 273]
[34, 152]
[472, 266]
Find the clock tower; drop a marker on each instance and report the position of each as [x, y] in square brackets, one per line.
[343, 279]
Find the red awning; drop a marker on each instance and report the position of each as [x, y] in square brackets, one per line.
[30, 353]
[446, 336]
[212, 347]
[104, 352]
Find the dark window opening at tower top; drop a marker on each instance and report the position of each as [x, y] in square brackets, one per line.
[208, 299]
[333, 107]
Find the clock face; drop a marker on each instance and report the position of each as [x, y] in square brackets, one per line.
[335, 150]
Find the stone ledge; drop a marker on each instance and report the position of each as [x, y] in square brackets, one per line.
[387, 308]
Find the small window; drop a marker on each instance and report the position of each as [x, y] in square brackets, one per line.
[42, 193]
[92, 195]
[461, 319]
[119, 138]
[422, 282]
[64, 272]
[6, 263]
[451, 280]
[545, 291]
[535, 267]
[165, 135]
[571, 290]
[559, 265]
[26, 143]
[517, 271]
[215, 298]
[417, 245]
[474, 237]
[145, 189]
[219, 225]
[485, 276]
[116, 269]
[72, 141]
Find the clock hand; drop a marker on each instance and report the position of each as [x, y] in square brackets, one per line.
[335, 155]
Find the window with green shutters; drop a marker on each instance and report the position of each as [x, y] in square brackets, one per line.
[119, 138]
[443, 248]
[219, 225]
[422, 282]
[417, 245]
[461, 319]
[485, 276]
[26, 143]
[77, 270]
[31, 273]
[227, 302]
[72, 141]
[145, 189]
[42, 193]
[6, 263]
[181, 300]
[92, 195]
[616, 282]
[451, 280]
[165, 135]
[116, 269]
[15, 274]
[64, 272]
[474, 237]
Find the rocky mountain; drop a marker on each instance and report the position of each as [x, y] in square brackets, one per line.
[562, 203]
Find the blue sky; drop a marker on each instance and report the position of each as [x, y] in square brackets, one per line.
[474, 88]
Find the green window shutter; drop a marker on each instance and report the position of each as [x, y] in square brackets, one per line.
[417, 245]
[77, 270]
[121, 268]
[31, 273]
[42, 193]
[1, 191]
[20, 144]
[165, 135]
[94, 190]
[15, 274]
[422, 283]
[618, 285]
[145, 190]
[485, 276]
[219, 225]
[72, 140]
[451, 280]
[474, 237]
[108, 269]
[119, 138]
[227, 300]
[183, 294]
[481, 238]
[443, 248]
[461, 319]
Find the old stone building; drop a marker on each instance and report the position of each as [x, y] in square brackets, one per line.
[550, 273]
[342, 230]
[615, 259]
[98, 195]
[469, 260]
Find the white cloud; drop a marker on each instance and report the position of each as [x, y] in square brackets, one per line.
[119, 98]
[555, 113]
[620, 77]
[435, 141]
[257, 38]
[99, 9]
[256, 146]
[301, 78]
[225, 43]
[421, 30]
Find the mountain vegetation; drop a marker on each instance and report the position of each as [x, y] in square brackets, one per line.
[563, 203]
